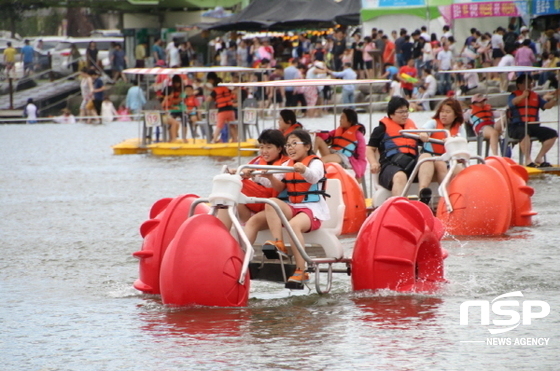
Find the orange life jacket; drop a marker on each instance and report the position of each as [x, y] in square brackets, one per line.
[254, 189]
[394, 142]
[346, 141]
[298, 190]
[481, 116]
[173, 102]
[439, 149]
[224, 97]
[530, 113]
[295, 126]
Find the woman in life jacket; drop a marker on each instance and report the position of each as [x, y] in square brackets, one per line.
[448, 116]
[485, 121]
[346, 144]
[271, 152]
[301, 199]
[287, 122]
[389, 153]
[173, 104]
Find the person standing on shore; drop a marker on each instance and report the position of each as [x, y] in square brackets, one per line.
[86, 88]
[98, 90]
[10, 59]
[28, 58]
[140, 54]
[135, 100]
[91, 55]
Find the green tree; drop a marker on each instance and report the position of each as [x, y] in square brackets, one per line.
[13, 10]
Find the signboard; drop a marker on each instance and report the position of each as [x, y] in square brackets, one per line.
[152, 118]
[545, 7]
[249, 116]
[486, 9]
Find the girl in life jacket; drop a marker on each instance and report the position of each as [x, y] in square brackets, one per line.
[485, 121]
[347, 144]
[448, 116]
[287, 122]
[305, 206]
[271, 152]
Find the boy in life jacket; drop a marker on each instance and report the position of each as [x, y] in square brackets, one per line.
[191, 110]
[485, 121]
[304, 206]
[389, 153]
[287, 122]
[271, 152]
[347, 145]
[223, 98]
[448, 116]
[524, 124]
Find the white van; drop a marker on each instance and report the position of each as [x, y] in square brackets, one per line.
[61, 51]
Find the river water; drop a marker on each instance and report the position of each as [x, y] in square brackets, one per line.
[70, 213]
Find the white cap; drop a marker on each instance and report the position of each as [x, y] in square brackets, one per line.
[524, 28]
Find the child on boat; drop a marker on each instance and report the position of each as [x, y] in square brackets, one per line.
[123, 113]
[191, 108]
[347, 145]
[108, 111]
[287, 122]
[301, 199]
[485, 121]
[271, 152]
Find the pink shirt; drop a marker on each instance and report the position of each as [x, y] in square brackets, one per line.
[359, 160]
[368, 47]
[524, 56]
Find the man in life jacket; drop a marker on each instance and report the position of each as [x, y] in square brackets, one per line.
[485, 121]
[524, 124]
[390, 153]
[224, 99]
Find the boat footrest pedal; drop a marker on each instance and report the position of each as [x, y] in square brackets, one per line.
[294, 285]
[274, 250]
[271, 271]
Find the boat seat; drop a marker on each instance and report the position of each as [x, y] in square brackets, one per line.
[511, 142]
[326, 236]
[479, 139]
[250, 117]
[380, 194]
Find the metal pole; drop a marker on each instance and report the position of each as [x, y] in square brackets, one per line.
[11, 93]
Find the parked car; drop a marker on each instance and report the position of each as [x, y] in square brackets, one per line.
[62, 50]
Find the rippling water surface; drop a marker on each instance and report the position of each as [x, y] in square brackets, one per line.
[70, 213]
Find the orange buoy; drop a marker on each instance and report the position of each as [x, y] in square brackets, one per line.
[398, 248]
[516, 177]
[353, 196]
[481, 203]
[166, 216]
[202, 266]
